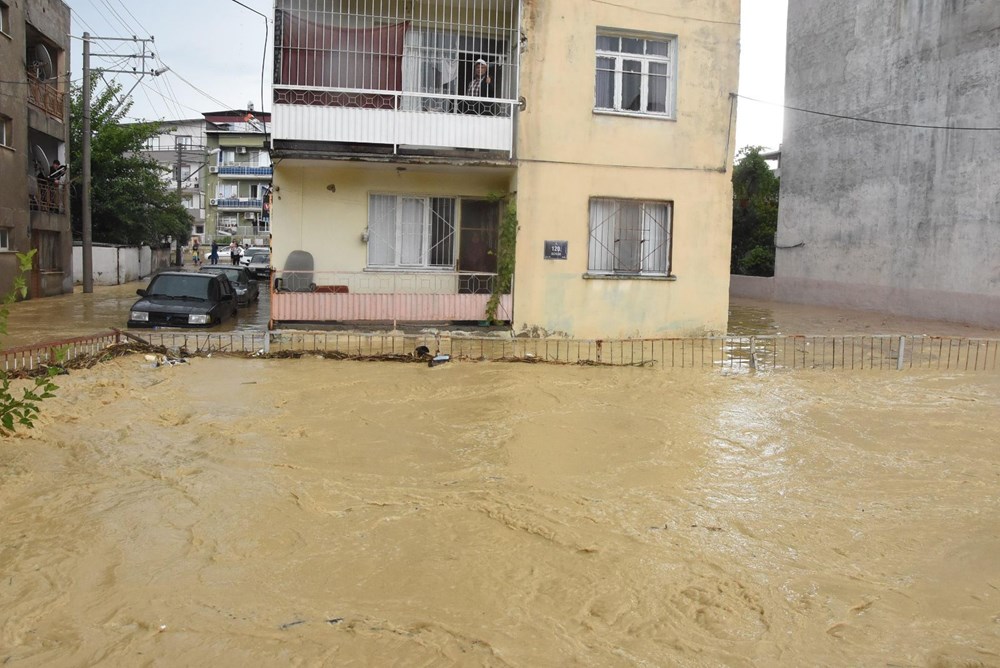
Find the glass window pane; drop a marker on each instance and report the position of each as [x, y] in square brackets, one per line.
[382, 230]
[411, 240]
[631, 45]
[606, 43]
[659, 84]
[628, 237]
[442, 252]
[632, 85]
[657, 48]
[605, 83]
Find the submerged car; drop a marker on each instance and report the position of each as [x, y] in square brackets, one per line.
[260, 265]
[247, 290]
[182, 299]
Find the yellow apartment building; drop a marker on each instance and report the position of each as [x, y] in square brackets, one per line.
[409, 137]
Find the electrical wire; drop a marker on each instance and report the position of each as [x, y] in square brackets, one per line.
[655, 13]
[921, 126]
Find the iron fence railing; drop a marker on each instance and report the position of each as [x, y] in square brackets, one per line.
[29, 358]
[725, 353]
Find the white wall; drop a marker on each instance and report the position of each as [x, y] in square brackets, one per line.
[114, 265]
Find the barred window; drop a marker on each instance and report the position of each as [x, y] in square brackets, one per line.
[5, 238]
[630, 237]
[405, 231]
[636, 74]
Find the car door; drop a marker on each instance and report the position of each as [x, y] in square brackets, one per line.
[227, 297]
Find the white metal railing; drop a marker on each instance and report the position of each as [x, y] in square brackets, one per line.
[435, 73]
[330, 296]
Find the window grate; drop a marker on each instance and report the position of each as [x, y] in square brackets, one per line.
[405, 231]
[630, 237]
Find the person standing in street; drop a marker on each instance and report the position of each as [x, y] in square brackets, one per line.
[213, 258]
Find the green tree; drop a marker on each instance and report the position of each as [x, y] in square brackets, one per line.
[755, 214]
[130, 201]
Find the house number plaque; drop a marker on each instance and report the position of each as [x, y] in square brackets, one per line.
[556, 250]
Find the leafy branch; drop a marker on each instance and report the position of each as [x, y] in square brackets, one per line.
[21, 410]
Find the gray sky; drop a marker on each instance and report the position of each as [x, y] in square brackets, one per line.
[216, 47]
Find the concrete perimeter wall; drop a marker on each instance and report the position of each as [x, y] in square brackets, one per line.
[114, 265]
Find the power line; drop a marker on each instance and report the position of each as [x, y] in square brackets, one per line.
[876, 121]
[655, 13]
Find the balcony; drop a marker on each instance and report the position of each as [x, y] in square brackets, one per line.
[45, 96]
[46, 195]
[389, 297]
[238, 203]
[244, 171]
[395, 76]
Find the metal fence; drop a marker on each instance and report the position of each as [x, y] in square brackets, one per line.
[29, 358]
[726, 353]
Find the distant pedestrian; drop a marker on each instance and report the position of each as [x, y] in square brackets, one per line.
[213, 257]
[232, 252]
[239, 255]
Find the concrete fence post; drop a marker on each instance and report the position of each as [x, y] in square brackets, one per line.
[902, 353]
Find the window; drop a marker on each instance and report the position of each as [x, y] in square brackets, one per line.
[406, 231]
[228, 221]
[6, 131]
[5, 238]
[49, 257]
[630, 237]
[636, 74]
[4, 18]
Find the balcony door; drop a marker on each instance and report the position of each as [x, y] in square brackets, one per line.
[478, 244]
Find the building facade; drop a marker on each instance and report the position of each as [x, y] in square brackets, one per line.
[413, 139]
[238, 178]
[902, 215]
[34, 133]
[180, 148]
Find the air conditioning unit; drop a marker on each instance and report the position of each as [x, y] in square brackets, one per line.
[241, 149]
[213, 170]
[213, 202]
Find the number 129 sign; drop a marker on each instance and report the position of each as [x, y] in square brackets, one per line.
[556, 250]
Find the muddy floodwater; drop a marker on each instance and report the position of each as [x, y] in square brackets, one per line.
[310, 512]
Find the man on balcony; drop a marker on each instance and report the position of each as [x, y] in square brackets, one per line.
[481, 85]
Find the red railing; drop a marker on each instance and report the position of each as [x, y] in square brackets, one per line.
[46, 97]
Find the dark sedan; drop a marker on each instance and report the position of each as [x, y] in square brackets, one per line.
[247, 290]
[182, 299]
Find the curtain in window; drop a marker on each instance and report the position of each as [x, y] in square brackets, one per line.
[430, 65]
[411, 237]
[382, 230]
[331, 56]
[656, 233]
[628, 237]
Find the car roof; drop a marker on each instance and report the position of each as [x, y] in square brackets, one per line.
[182, 273]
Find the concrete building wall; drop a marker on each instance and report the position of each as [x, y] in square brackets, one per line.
[115, 265]
[33, 21]
[568, 153]
[900, 219]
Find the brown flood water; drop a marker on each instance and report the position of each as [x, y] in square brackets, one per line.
[309, 512]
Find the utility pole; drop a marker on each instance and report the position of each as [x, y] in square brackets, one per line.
[85, 214]
[180, 196]
[88, 246]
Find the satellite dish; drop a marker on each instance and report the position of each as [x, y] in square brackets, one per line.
[41, 160]
[44, 68]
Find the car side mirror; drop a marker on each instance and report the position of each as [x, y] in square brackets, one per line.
[140, 292]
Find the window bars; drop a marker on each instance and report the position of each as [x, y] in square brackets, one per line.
[630, 237]
[408, 231]
[412, 55]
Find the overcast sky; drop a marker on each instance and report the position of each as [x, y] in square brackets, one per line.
[214, 50]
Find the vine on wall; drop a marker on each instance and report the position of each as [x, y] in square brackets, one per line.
[506, 252]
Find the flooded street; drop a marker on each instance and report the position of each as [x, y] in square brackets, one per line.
[310, 512]
[235, 512]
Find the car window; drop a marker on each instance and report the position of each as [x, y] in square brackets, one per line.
[192, 285]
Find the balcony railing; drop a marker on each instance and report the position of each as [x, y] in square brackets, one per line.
[245, 170]
[238, 203]
[441, 74]
[45, 96]
[46, 195]
[383, 297]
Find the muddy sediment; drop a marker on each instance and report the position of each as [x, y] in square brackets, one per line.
[319, 512]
